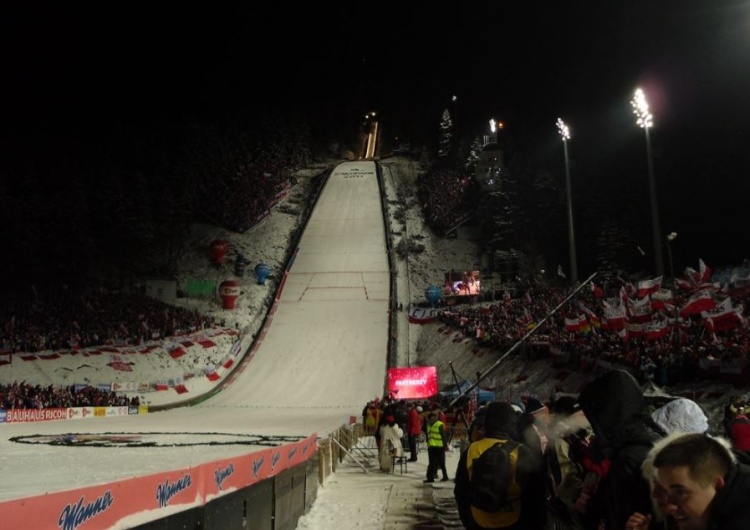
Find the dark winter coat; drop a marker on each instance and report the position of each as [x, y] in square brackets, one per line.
[730, 509]
[624, 433]
[501, 425]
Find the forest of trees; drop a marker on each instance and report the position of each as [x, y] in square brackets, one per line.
[118, 203]
[526, 214]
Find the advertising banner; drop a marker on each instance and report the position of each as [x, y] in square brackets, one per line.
[419, 382]
[128, 503]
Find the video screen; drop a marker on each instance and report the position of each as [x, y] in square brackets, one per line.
[462, 283]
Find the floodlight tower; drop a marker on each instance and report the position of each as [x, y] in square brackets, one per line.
[565, 134]
[645, 120]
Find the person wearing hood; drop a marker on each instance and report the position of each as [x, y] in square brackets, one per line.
[681, 415]
[697, 484]
[624, 433]
[528, 512]
[678, 417]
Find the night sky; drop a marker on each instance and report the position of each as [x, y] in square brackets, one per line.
[70, 70]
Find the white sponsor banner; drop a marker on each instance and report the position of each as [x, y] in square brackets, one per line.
[125, 386]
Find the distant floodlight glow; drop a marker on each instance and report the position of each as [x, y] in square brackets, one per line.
[640, 109]
[563, 129]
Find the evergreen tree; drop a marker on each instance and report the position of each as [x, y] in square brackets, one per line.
[446, 135]
[475, 148]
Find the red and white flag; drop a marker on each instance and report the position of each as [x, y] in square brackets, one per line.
[624, 294]
[640, 310]
[656, 329]
[704, 272]
[660, 298]
[724, 316]
[573, 324]
[691, 275]
[701, 301]
[683, 285]
[646, 287]
[615, 317]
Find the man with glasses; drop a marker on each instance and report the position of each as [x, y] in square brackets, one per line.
[699, 485]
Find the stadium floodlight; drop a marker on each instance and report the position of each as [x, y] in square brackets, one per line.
[645, 120]
[565, 134]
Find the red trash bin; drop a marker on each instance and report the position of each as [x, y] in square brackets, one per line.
[229, 290]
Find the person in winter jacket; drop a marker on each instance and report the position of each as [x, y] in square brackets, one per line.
[730, 411]
[571, 436]
[624, 433]
[678, 417]
[390, 443]
[698, 483]
[437, 445]
[740, 431]
[527, 512]
[681, 415]
[413, 429]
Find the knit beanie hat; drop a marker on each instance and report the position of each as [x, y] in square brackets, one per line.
[534, 406]
[500, 416]
[566, 405]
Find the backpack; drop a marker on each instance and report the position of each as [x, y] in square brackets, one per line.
[492, 473]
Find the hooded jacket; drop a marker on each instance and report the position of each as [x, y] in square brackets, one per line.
[624, 432]
[501, 425]
[681, 415]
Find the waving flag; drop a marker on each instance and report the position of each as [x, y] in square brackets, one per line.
[573, 324]
[614, 317]
[655, 330]
[704, 272]
[646, 287]
[699, 302]
[640, 310]
[683, 285]
[724, 316]
[691, 275]
[660, 298]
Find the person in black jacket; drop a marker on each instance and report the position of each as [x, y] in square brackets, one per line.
[624, 433]
[527, 513]
[699, 483]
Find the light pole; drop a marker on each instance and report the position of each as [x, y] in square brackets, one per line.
[646, 121]
[494, 127]
[670, 237]
[565, 134]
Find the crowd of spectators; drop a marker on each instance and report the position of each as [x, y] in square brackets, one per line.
[672, 358]
[70, 319]
[446, 198]
[240, 200]
[26, 396]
